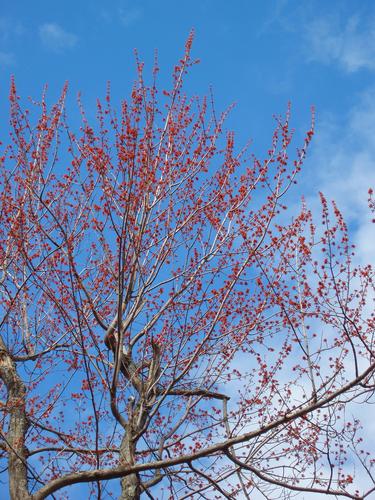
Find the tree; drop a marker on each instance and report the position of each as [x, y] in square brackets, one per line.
[164, 319]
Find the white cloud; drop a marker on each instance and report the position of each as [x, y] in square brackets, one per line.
[10, 28]
[55, 38]
[126, 16]
[129, 16]
[6, 58]
[343, 164]
[350, 44]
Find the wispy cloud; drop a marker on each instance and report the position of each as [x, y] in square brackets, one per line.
[7, 59]
[10, 28]
[55, 38]
[126, 15]
[349, 43]
[344, 168]
[129, 16]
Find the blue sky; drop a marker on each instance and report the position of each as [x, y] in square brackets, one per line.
[259, 54]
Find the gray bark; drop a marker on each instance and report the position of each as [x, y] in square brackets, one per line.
[17, 428]
[130, 488]
[138, 409]
[130, 485]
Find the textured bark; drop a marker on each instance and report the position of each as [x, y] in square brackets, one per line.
[130, 488]
[130, 485]
[18, 425]
[138, 409]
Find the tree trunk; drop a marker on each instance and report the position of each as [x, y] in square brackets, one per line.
[18, 425]
[130, 488]
[130, 485]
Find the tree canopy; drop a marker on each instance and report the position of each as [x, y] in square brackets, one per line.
[166, 319]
